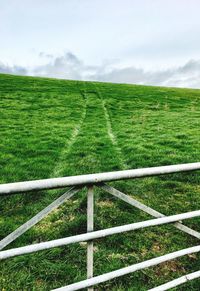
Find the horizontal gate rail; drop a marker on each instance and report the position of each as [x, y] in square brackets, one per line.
[127, 270]
[177, 282]
[95, 234]
[94, 178]
[99, 179]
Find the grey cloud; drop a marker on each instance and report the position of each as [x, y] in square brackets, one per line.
[187, 75]
[45, 55]
[190, 67]
[17, 70]
[69, 66]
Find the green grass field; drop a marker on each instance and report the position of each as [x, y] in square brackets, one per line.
[54, 128]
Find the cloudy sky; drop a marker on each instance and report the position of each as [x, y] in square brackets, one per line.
[129, 41]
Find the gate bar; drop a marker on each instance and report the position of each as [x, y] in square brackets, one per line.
[94, 178]
[127, 270]
[95, 234]
[177, 282]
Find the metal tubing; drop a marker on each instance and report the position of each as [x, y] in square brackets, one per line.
[177, 282]
[39, 216]
[90, 228]
[94, 178]
[130, 200]
[95, 234]
[146, 209]
[127, 270]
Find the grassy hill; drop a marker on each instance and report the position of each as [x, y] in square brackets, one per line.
[53, 128]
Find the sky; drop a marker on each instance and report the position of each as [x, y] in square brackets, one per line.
[154, 42]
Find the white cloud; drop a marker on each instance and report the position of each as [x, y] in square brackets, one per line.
[69, 66]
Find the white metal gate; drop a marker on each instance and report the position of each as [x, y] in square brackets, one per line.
[98, 180]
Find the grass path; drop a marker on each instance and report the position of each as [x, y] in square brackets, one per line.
[112, 136]
[89, 152]
[69, 143]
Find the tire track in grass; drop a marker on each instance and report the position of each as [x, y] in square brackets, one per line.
[93, 150]
[69, 143]
[92, 139]
[111, 134]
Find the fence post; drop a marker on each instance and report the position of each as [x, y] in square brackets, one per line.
[90, 227]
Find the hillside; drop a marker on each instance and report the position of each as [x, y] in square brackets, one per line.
[54, 128]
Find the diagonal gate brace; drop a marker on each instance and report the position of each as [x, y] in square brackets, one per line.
[146, 209]
[39, 216]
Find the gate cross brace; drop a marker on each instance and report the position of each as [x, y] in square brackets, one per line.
[39, 216]
[146, 209]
